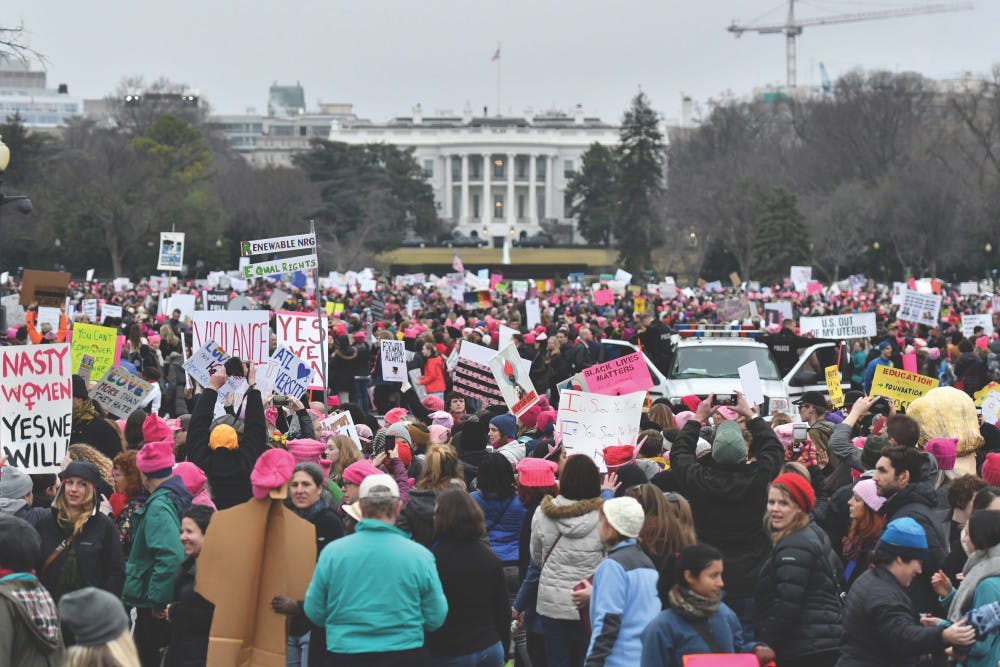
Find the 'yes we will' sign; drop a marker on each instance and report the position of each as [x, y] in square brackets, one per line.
[36, 405]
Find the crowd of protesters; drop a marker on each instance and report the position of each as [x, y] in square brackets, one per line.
[452, 533]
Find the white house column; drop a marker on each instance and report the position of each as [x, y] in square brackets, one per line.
[465, 189]
[550, 178]
[486, 210]
[509, 200]
[532, 193]
[448, 194]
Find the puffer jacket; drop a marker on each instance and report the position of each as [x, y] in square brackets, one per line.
[504, 518]
[565, 543]
[799, 611]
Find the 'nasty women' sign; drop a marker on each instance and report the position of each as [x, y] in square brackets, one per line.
[36, 406]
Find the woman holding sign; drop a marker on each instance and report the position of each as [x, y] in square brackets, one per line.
[80, 545]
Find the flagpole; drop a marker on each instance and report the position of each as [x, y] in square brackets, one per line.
[499, 61]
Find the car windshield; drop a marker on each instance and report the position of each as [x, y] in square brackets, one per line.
[721, 361]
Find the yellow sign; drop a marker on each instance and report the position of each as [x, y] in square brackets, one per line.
[634, 289]
[984, 392]
[99, 342]
[833, 386]
[334, 307]
[901, 386]
[639, 305]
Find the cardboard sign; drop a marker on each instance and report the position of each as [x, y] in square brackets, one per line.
[625, 375]
[244, 334]
[393, 361]
[47, 288]
[36, 405]
[171, 251]
[587, 423]
[970, 322]
[833, 386]
[305, 335]
[753, 390]
[293, 373]
[101, 343]
[518, 391]
[110, 310]
[120, 392]
[901, 386]
[289, 265]
[919, 307]
[860, 325]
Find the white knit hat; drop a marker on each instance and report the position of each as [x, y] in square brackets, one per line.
[625, 515]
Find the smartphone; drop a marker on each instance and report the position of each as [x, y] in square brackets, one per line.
[390, 443]
[234, 367]
[800, 432]
[279, 400]
[724, 399]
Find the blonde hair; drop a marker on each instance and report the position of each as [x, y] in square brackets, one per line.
[78, 519]
[119, 652]
[348, 453]
[168, 335]
[441, 467]
[798, 522]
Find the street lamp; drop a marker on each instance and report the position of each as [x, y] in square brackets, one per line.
[23, 202]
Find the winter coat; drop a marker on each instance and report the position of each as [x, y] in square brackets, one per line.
[228, 470]
[156, 547]
[504, 518]
[672, 635]
[99, 434]
[433, 377]
[190, 619]
[20, 508]
[565, 544]
[417, 517]
[29, 625]
[972, 371]
[986, 651]
[343, 368]
[478, 603]
[623, 603]
[798, 609]
[329, 527]
[881, 628]
[919, 502]
[172, 385]
[99, 560]
[728, 501]
[125, 522]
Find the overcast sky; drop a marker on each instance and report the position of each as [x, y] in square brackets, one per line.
[384, 56]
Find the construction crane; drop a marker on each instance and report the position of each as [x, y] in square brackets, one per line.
[792, 27]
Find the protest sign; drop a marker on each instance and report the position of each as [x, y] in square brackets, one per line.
[920, 308]
[731, 309]
[639, 305]
[624, 375]
[342, 423]
[36, 405]
[46, 288]
[833, 386]
[714, 286]
[623, 276]
[278, 244]
[800, 277]
[901, 386]
[171, 251]
[292, 372]
[13, 310]
[277, 299]
[587, 423]
[506, 336]
[991, 407]
[86, 367]
[215, 299]
[203, 360]
[120, 392]
[473, 376]
[968, 288]
[753, 390]
[897, 293]
[970, 322]
[518, 391]
[111, 310]
[859, 325]
[668, 288]
[604, 297]
[48, 315]
[101, 343]
[89, 309]
[414, 375]
[533, 313]
[393, 361]
[244, 334]
[305, 335]
[909, 362]
[182, 302]
[288, 265]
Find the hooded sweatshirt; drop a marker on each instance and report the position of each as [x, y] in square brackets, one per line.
[29, 624]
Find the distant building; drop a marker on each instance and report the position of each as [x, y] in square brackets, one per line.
[493, 176]
[24, 93]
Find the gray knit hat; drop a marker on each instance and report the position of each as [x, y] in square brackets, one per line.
[94, 616]
[14, 483]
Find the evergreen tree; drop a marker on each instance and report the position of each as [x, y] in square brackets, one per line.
[641, 153]
[780, 239]
[593, 193]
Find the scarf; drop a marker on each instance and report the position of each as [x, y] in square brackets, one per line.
[69, 575]
[981, 564]
[85, 413]
[690, 604]
[309, 513]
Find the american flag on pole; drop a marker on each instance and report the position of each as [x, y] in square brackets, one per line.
[496, 55]
[456, 263]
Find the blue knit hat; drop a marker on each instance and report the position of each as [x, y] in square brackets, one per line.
[904, 538]
[506, 424]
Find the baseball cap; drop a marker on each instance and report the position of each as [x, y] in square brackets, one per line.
[378, 486]
[812, 398]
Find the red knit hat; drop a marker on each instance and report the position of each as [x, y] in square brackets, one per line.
[799, 488]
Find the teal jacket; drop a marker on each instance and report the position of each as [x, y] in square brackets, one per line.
[986, 651]
[376, 590]
[156, 547]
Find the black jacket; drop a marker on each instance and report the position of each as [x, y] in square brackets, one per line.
[417, 517]
[172, 384]
[99, 559]
[881, 629]
[190, 619]
[99, 434]
[919, 502]
[329, 527]
[798, 610]
[728, 501]
[478, 603]
[228, 470]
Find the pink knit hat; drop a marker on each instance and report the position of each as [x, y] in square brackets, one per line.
[442, 418]
[395, 415]
[364, 432]
[154, 428]
[530, 416]
[306, 449]
[439, 434]
[194, 481]
[433, 403]
[868, 492]
[545, 419]
[991, 469]
[155, 457]
[272, 471]
[944, 451]
[357, 471]
[539, 473]
[682, 418]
